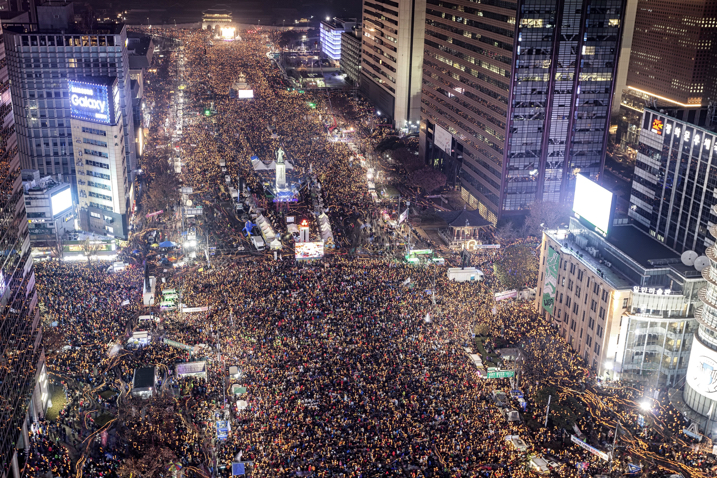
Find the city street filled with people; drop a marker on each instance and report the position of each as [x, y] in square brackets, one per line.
[355, 365]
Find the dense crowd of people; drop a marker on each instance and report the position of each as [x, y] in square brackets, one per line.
[348, 367]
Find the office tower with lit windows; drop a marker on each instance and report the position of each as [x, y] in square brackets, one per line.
[516, 96]
[674, 182]
[392, 57]
[23, 379]
[672, 64]
[351, 53]
[42, 58]
[331, 32]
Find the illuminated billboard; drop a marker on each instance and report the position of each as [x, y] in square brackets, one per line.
[309, 250]
[592, 204]
[61, 201]
[246, 94]
[89, 102]
[702, 370]
[657, 125]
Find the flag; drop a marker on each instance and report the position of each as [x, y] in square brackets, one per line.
[403, 216]
[428, 317]
[406, 282]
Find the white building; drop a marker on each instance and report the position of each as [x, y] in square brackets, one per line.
[49, 208]
[625, 303]
[330, 35]
[104, 188]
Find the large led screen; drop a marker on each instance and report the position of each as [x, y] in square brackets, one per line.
[702, 370]
[89, 102]
[309, 250]
[61, 201]
[592, 203]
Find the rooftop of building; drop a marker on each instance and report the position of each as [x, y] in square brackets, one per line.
[464, 218]
[641, 247]
[73, 29]
[138, 43]
[340, 23]
[144, 377]
[700, 118]
[217, 10]
[43, 185]
[9, 16]
[637, 246]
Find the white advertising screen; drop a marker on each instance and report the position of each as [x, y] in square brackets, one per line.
[61, 202]
[442, 139]
[593, 203]
[309, 250]
[246, 93]
[702, 370]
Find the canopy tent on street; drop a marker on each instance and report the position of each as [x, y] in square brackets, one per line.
[167, 244]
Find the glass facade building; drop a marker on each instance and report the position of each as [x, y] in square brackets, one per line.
[40, 63]
[330, 33]
[657, 334]
[674, 182]
[351, 54]
[525, 90]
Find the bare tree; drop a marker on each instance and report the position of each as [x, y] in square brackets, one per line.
[89, 247]
[545, 215]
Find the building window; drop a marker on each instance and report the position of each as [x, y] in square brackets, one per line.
[94, 142]
[99, 154]
[94, 131]
[97, 164]
[100, 196]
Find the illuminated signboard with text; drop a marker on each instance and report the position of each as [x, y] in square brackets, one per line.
[89, 102]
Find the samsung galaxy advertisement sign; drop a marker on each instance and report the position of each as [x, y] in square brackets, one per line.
[90, 102]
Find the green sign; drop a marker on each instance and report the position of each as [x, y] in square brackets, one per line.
[501, 373]
[552, 266]
[178, 345]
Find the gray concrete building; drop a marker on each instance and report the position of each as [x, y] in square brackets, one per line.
[351, 54]
[392, 58]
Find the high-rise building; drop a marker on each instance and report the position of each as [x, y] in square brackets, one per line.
[700, 393]
[519, 96]
[42, 58]
[102, 179]
[392, 58]
[673, 51]
[23, 380]
[672, 61]
[331, 32]
[351, 54]
[674, 181]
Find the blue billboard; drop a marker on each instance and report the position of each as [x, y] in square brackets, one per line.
[89, 102]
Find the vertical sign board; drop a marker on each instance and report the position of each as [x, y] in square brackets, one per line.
[552, 265]
[443, 139]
